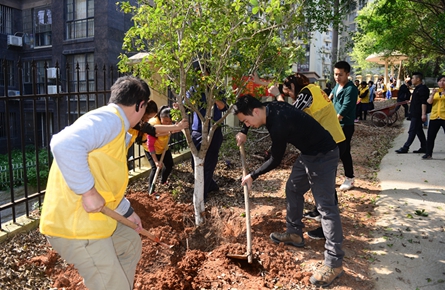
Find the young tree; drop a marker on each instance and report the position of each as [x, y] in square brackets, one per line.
[228, 39]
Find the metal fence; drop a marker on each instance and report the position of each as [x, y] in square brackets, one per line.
[45, 102]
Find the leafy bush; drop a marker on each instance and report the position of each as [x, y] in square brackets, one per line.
[28, 158]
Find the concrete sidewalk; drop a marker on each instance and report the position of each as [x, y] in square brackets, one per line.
[409, 245]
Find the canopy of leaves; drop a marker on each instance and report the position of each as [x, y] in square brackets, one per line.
[226, 38]
[415, 28]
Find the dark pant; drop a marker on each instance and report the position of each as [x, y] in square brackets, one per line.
[316, 173]
[167, 166]
[433, 128]
[415, 129]
[405, 106]
[211, 159]
[345, 150]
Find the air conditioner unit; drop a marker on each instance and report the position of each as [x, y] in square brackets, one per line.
[15, 40]
[12, 93]
[53, 90]
[52, 72]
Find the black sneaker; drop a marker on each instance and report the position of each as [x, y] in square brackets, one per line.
[314, 215]
[421, 150]
[426, 157]
[316, 234]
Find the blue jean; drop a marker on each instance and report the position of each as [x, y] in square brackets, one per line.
[318, 174]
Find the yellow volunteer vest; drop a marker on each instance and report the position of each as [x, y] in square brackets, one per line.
[161, 141]
[438, 108]
[322, 110]
[63, 214]
[134, 133]
[364, 100]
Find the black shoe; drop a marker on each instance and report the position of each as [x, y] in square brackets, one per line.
[402, 150]
[421, 150]
[316, 234]
[426, 157]
[314, 215]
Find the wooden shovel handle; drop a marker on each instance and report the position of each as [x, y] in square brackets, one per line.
[123, 220]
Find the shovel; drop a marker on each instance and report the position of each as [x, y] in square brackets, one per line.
[248, 255]
[123, 220]
[152, 186]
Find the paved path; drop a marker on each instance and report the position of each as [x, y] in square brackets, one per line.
[409, 249]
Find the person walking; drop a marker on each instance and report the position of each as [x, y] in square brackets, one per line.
[315, 169]
[89, 171]
[344, 96]
[437, 117]
[417, 113]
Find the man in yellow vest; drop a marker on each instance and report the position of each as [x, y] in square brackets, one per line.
[89, 172]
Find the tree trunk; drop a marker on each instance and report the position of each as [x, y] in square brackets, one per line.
[334, 51]
[198, 192]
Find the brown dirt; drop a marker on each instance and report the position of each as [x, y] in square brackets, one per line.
[198, 259]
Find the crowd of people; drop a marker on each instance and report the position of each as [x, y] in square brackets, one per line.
[90, 165]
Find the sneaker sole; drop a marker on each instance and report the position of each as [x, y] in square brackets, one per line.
[316, 282]
[317, 218]
[315, 237]
[301, 245]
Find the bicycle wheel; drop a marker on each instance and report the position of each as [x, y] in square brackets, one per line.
[379, 119]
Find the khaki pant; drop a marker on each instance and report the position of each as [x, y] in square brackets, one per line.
[103, 263]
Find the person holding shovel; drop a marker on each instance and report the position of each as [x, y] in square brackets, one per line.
[89, 174]
[314, 169]
[156, 147]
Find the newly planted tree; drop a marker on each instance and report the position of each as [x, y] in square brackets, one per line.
[209, 47]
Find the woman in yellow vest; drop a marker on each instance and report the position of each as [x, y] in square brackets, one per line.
[437, 117]
[363, 94]
[89, 172]
[155, 146]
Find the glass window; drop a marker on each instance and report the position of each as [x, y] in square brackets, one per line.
[79, 77]
[9, 73]
[5, 20]
[79, 19]
[42, 26]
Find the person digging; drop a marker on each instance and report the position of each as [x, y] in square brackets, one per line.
[314, 169]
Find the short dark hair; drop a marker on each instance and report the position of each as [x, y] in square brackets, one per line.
[164, 111]
[418, 74]
[343, 65]
[129, 90]
[371, 82]
[245, 105]
[440, 77]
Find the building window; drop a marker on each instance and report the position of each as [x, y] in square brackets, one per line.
[42, 24]
[79, 19]
[37, 27]
[13, 132]
[9, 73]
[81, 78]
[28, 76]
[5, 20]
